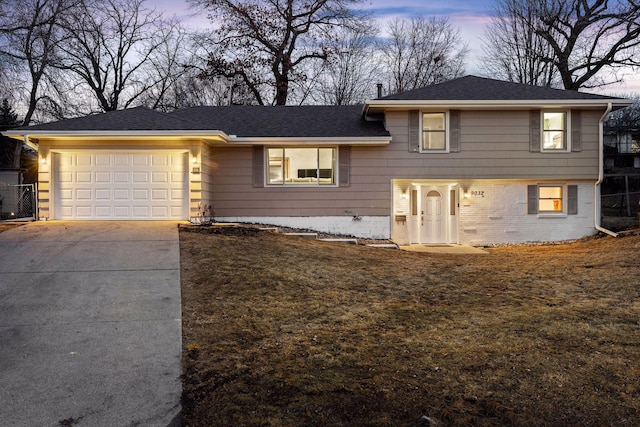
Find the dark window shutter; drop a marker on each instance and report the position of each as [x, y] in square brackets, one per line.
[532, 199]
[576, 130]
[454, 131]
[344, 167]
[258, 166]
[414, 131]
[572, 199]
[534, 131]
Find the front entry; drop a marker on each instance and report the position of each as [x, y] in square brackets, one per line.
[432, 217]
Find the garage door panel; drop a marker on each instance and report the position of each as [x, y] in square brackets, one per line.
[159, 211]
[120, 186]
[103, 212]
[140, 159]
[122, 177]
[140, 194]
[122, 212]
[161, 177]
[83, 177]
[103, 159]
[83, 194]
[140, 177]
[159, 160]
[84, 211]
[103, 194]
[103, 177]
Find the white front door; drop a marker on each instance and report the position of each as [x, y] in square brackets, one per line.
[433, 224]
[120, 185]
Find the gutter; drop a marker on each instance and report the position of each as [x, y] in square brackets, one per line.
[598, 200]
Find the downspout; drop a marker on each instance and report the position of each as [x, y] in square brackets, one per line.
[598, 200]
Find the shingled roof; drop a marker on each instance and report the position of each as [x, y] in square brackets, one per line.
[473, 88]
[285, 121]
[241, 121]
[133, 119]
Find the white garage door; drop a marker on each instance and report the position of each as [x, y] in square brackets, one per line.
[138, 186]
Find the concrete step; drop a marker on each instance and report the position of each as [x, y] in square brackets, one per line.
[348, 241]
[384, 245]
[305, 235]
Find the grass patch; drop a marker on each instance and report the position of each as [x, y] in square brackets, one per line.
[281, 331]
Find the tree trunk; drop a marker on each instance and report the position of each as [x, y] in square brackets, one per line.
[17, 155]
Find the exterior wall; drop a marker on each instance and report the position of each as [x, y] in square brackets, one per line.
[368, 194]
[369, 227]
[493, 144]
[501, 216]
[496, 212]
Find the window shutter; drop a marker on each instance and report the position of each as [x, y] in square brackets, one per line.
[454, 131]
[414, 131]
[572, 199]
[532, 199]
[344, 159]
[576, 130]
[258, 166]
[534, 131]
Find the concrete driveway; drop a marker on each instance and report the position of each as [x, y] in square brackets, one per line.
[90, 331]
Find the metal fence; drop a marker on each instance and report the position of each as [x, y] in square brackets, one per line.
[17, 201]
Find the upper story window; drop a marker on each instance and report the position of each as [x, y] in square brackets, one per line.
[434, 131]
[301, 166]
[554, 131]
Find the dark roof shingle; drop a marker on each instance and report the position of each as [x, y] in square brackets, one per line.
[473, 88]
[135, 119]
[242, 121]
[284, 121]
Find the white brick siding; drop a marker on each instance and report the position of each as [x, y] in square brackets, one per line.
[501, 215]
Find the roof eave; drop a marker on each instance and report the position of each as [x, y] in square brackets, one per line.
[314, 141]
[108, 134]
[491, 104]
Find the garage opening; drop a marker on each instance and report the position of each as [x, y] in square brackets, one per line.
[120, 185]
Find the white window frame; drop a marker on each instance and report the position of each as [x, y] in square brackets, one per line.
[317, 184]
[567, 147]
[447, 132]
[565, 195]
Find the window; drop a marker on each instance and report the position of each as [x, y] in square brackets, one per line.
[301, 166]
[434, 135]
[554, 131]
[549, 199]
[552, 199]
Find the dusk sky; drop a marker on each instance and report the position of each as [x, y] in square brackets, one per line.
[469, 16]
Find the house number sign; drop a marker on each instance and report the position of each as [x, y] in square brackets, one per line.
[477, 193]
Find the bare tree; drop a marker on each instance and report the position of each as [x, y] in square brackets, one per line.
[422, 51]
[30, 31]
[590, 41]
[263, 43]
[108, 45]
[350, 73]
[512, 49]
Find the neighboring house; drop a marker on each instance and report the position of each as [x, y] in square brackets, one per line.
[471, 160]
[621, 147]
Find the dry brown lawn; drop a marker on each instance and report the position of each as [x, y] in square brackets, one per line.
[283, 331]
[4, 226]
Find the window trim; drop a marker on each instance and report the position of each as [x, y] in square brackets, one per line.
[564, 194]
[447, 132]
[570, 200]
[567, 131]
[336, 166]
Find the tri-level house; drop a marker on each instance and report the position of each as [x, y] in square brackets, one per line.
[471, 161]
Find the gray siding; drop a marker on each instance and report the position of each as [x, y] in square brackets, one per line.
[234, 194]
[493, 145]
